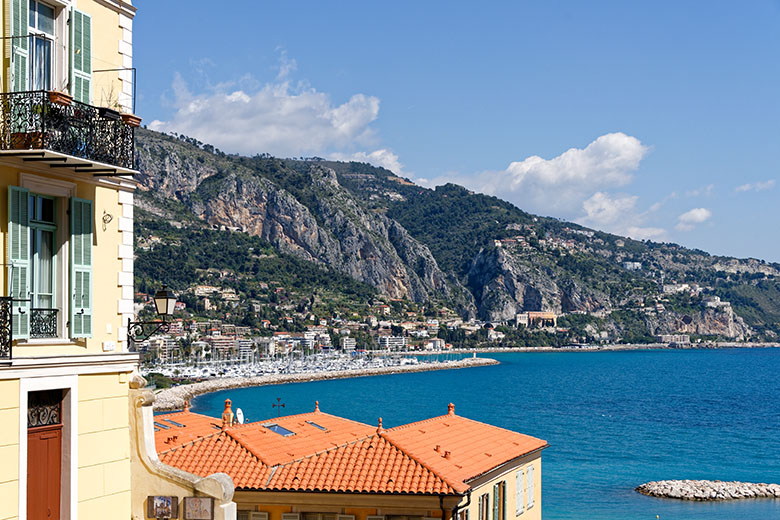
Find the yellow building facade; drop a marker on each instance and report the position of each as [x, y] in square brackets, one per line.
[66, 228]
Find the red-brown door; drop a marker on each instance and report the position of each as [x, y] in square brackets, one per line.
[44, 459]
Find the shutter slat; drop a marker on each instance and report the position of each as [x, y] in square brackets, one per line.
[81, 268]
[19, 46]
[81, 55]
[19, 259]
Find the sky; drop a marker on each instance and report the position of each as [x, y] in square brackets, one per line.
[657, 120]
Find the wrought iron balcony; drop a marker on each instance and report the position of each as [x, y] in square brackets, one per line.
[6, 306]
[37, 120]
[43, 323]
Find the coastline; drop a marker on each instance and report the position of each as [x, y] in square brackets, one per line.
[594, 348]
[170, 399]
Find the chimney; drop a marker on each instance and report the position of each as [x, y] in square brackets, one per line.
[227, 415]
[187, 405]
[450, 409]
[447, 455]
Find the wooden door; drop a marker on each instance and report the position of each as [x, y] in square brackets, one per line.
[44, 460]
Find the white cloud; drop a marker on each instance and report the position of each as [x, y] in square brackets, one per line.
[278, 118]
[688, 220]
[561, 184]
[618, 215]
[383, 157]
[705, 191]
[756, 186]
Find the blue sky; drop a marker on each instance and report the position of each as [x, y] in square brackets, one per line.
[656, 120]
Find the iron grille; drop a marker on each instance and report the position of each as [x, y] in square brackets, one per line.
[6, 305]
[43, 323]
[32, 121]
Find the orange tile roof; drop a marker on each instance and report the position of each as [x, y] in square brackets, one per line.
[466, 448]
[342, 455]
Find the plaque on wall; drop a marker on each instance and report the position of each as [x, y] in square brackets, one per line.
[162, 507]
[198, 508]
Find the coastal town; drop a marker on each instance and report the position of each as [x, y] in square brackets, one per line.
[190, 334]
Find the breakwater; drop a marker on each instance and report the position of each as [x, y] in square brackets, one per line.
[705, 490]
[175, 397]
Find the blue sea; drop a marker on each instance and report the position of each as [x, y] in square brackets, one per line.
[613, 421]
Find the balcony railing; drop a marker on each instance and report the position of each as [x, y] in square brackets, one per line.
[43, 323]
[34, 121]
[6, 305]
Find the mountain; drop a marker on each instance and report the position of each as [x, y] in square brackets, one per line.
[479, 255]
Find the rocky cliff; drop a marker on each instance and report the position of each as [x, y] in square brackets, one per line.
[333, 229]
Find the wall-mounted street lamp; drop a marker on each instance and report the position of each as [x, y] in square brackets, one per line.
[164, 303]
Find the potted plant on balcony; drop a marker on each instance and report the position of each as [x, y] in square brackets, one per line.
[131, 119]
[60, 98]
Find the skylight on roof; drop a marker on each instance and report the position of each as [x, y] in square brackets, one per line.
[161, 425]
[317, 426]
[174, 423]
[281, 430]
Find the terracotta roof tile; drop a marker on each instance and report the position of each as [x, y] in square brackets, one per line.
[466, 448]
[339, 455]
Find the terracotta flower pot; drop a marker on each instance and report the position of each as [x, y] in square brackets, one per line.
[131, 119]
[60, 98]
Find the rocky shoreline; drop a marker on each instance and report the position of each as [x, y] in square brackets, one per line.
[603, 348]
[708, 490]
[175, 397]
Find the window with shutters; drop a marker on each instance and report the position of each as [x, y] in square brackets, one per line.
[499, 498]
[484, 507]
[49, 258]
[51, 48]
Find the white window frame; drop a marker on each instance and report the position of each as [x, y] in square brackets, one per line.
[63, 191]
[70, 409]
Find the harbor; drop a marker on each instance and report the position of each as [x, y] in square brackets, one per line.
[313, 368]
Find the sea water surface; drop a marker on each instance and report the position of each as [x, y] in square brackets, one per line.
[613, 421]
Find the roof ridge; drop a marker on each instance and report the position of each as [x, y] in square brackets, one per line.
[315, 413]
[447, 416]
[245, 447]
[453, 485]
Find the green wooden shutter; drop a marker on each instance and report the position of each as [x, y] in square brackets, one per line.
[495, 501]
[19, 259]
[20, 20]
[81, 268]
[81, 56]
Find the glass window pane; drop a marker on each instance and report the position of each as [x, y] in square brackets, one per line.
[42, 64]
[45, 262]
[47, 210]
[46, 19]
[32, 13]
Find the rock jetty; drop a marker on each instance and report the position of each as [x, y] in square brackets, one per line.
[175, 397]
[706, 490]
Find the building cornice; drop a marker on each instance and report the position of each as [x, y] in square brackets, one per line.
[67, 365]
[119, 6]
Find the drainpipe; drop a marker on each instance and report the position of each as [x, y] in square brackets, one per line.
[456, 509]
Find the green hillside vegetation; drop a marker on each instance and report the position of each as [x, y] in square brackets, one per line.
[183, 257]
